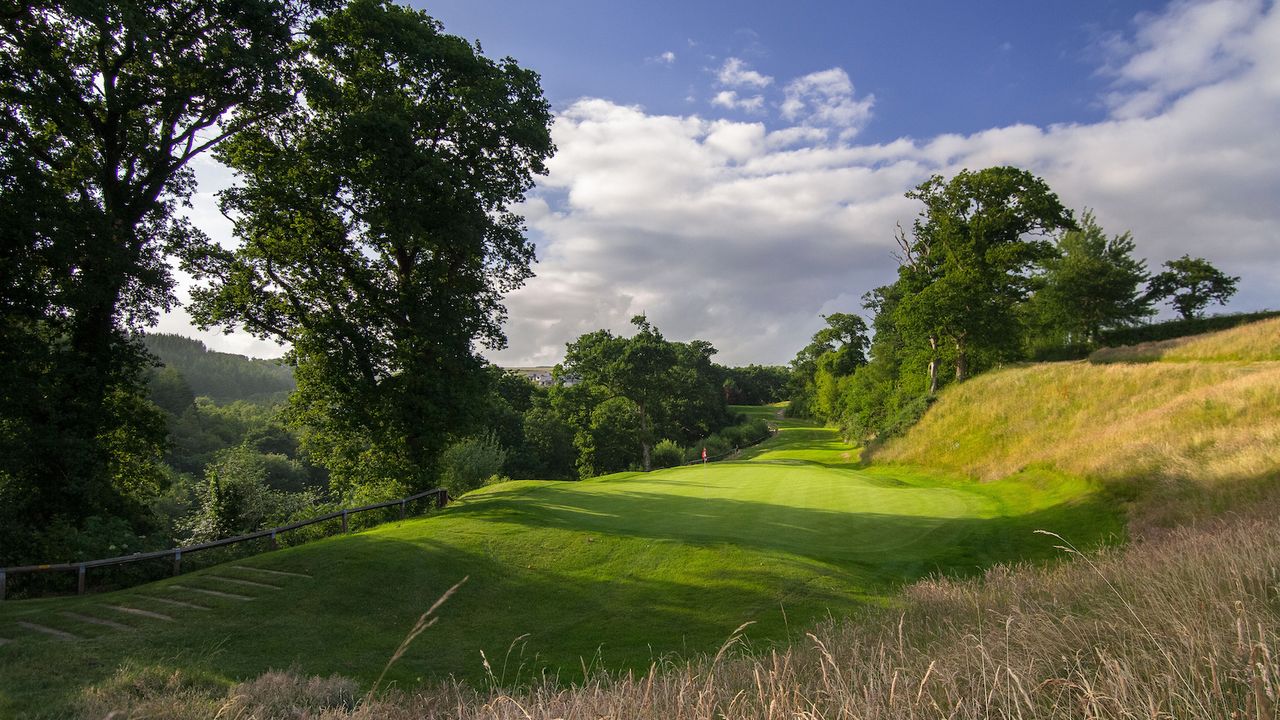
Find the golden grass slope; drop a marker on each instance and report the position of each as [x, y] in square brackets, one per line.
[1190, 421]
[1252, 342]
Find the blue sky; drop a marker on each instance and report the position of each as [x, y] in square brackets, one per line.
[736, 169]
[934, 67]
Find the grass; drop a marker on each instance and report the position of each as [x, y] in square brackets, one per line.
[615, 572]
[1259, 341]
[1186, 627]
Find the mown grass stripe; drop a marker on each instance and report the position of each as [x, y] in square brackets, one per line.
[212, 593]
[139, 612]
[246, 583]
[54, 632]
[270, 572]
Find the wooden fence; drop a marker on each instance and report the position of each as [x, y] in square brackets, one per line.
[81, 569]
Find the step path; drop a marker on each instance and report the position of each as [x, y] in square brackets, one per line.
[185, 599]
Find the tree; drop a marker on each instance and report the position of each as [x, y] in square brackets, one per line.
[965, 267]
[376, 236]
[1190, 284]
[638, 368]
[836, 351]
[103, 105]
[1092, 284]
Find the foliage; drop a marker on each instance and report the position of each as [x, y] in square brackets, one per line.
[667, 453]
[235, 499]
[1190, 284]
[1091, 285]
[836, 351]
[223, 377]
[755, 384]
[966, 265]
[471, 462]
[376, 236]
[639, 369]
[547, 451]
[102, 108]
[1171, 329]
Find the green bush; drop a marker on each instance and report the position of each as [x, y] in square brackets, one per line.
[469, 463]
[667, 454]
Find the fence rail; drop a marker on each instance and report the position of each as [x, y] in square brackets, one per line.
[440, 495]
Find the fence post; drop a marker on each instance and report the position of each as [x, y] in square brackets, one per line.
[177, 561]
[402, 509]
[1, 584]
[344, 521]
[80, 580]
[273, 540]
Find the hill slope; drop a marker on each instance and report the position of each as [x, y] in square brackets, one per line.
[621, 569]
[1202, 420]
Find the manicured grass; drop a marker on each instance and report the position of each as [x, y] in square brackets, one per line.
[618, 571]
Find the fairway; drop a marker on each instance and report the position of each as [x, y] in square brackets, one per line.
[619, 570]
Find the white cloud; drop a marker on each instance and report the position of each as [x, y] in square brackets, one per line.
[1194, 43]
[729, 99]
[735, 73]
[665, 58]
[741, 233]
[826, 99]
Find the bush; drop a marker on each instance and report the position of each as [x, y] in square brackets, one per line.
[667, 454]
[469, 463]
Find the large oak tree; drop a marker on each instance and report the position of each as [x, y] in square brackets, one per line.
[103, 105]
[376, 237]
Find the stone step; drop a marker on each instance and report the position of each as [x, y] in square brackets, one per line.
[60, 634]
[179, 603]
[96, 621]
[212, 593]
[270, 572]
[139, 612]
[246, 583]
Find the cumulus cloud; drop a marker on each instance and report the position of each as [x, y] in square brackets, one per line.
[742, 233]
[735, 73]
[826, 99]
[729, 99]
[666, 58]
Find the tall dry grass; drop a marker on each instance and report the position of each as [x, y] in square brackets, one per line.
[1259, 341]
[1161, 423]
[1184, 627]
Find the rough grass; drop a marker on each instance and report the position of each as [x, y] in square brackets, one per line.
[1153, 425]
[614, 572]
[1187, 627]
[1259, 341]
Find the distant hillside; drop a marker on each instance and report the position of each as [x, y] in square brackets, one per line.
[224, 377]
[1205, 422]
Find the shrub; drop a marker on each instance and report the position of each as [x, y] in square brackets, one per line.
[468, 463]
[667, 454]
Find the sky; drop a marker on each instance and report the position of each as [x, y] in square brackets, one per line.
[735, 170]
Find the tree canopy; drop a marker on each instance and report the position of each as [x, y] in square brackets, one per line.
[103, 105]
[1190, 284]
[376, 236]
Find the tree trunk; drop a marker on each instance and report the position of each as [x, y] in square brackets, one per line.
[962, 361]
[933, 365]
[644, 437]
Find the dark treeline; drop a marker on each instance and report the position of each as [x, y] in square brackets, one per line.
[993, 270]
